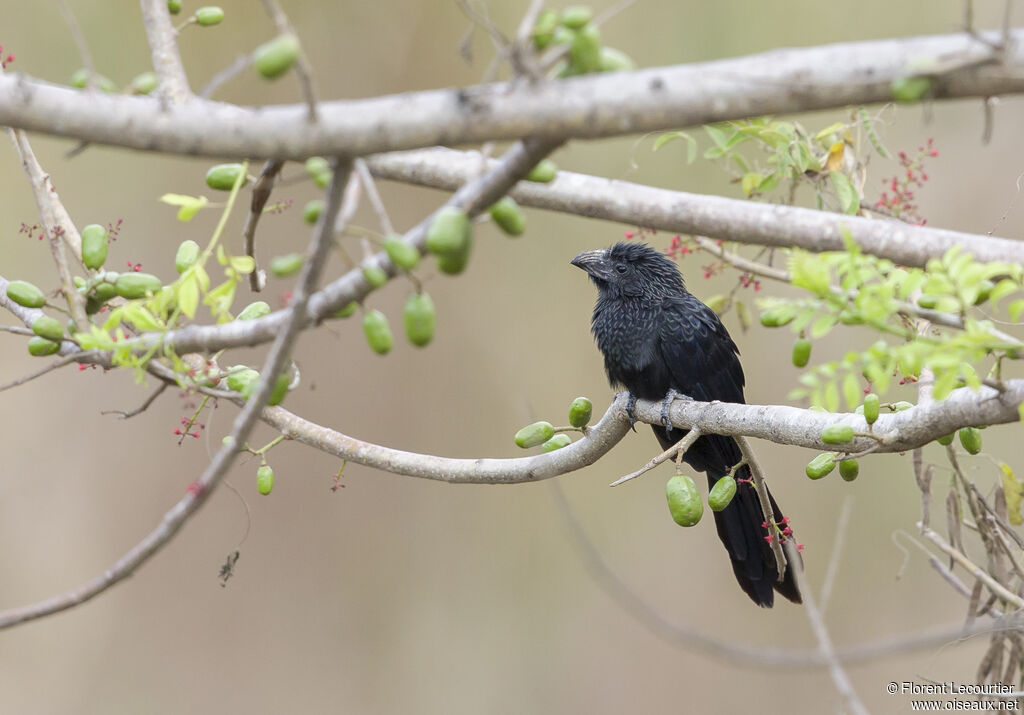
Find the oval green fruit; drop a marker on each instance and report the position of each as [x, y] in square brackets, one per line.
[264, 479]
[81, 78]
[613, 60]
[946, 440]
[374, 275]
[556, 442]
[136, 285]
[544, 172]
[849, 469]
[209, 16]
[41, 347]
[449, 232]
[174, 6]
[508, 216]
[347, 311]
[684, 502]
[928, 301]
[533, 434]
[46, 327]
[280, 389]
[544, 29]
[222, 177]
[187, 255]
[144, 83]
[419, 319]
[722, 493]
[316, 165]
[242, 380]
[870, 408]
[801, 352]
[970, 438]
[104, 291]
[837, 434]
[821, 465]
[311, 211]
[773, 318]
[25, 294]
[94, 246]
[276, 57]
[286, 265]
[378, 332]
[901, 405]
[454, 263]
[254, 310]
[580, 412]
[402, 254]
[576, 16]
[585, 49]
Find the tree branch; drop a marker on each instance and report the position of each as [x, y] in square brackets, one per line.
[163, 48]
[737, 220]
[612, 104]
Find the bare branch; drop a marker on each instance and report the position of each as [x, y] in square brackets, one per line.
[302, 67]
[592, 106]
[58, 363]
[679, 212]
[679, 447]
[163, 48]
[260, 194]
[994, 586]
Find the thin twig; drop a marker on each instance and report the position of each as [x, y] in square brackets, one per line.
[997, 588]
[302, 67]
[766, 504]
[121, 414]
[260, 195]
[58, 363]
[370, 187]
[80, 43]
[225, 75]
[834, 558]
[679, 447]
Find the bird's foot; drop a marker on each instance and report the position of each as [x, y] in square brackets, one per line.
[631, 410]
[670, 397]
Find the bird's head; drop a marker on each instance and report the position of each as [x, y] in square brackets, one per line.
[631, 269]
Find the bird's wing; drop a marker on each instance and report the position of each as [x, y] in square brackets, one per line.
[701, 357]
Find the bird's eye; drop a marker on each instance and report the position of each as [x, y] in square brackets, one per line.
[621, 268]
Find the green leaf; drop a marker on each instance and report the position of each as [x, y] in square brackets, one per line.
[822, 325]
[243, 264]
[190, 205]
[1013, 490]
[809, 272]
[691, 143]
[832, 397]
[970, 376]
[852, 391]
[944, 384]
[849, 201]
[1003, 288]
[1015, 308]
[751, 182]
[188, 296]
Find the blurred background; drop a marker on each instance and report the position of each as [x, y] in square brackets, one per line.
[397, 595]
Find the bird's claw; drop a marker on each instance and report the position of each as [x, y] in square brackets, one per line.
[630, 410]
[670, 397]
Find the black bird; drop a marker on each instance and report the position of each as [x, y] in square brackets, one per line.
[660, 342]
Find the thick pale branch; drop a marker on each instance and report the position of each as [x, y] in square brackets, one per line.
[680, 212]
[612, 104]
[163, 46]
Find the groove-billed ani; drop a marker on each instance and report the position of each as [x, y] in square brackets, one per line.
[659, 341]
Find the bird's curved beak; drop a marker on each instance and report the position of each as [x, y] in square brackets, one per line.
[593, 262]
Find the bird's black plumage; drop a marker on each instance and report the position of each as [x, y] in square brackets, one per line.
[656, 337]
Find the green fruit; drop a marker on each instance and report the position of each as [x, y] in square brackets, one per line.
[947, 439]
[94, 246]
[174, 6]
[378, 332]
[276, 57]
[187, 255]
[242, 380]
[136, 285]
[901, 405]
[454, 263]
[347, 311]
[773, 318]
[144, 83]
[280, 389]
[801, 352]
[544, 172]
[910, 89]
[585, 50]
[264, 479]
[613, 60]
[311, 211]
[849, 469]
[104, 292]
[254, 310]
[286, 265]
[534, 434]
[25, 294]
[46, 327]
[821, 465]
[81, 78]
[401, 253]
[837, 434]
[449, 232]
[970, 438]
[544, 29]
[722, 493]
[556, 442]
[870, 408]
[41, 347]
[319, 170]
[928, 301]
[209, 16]
[580, 412]
[508, 216]
[418, 318]
[374, 275]
[576, 16]
[222, 177]
[684, 502]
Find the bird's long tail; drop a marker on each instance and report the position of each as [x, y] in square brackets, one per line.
[741, 525]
